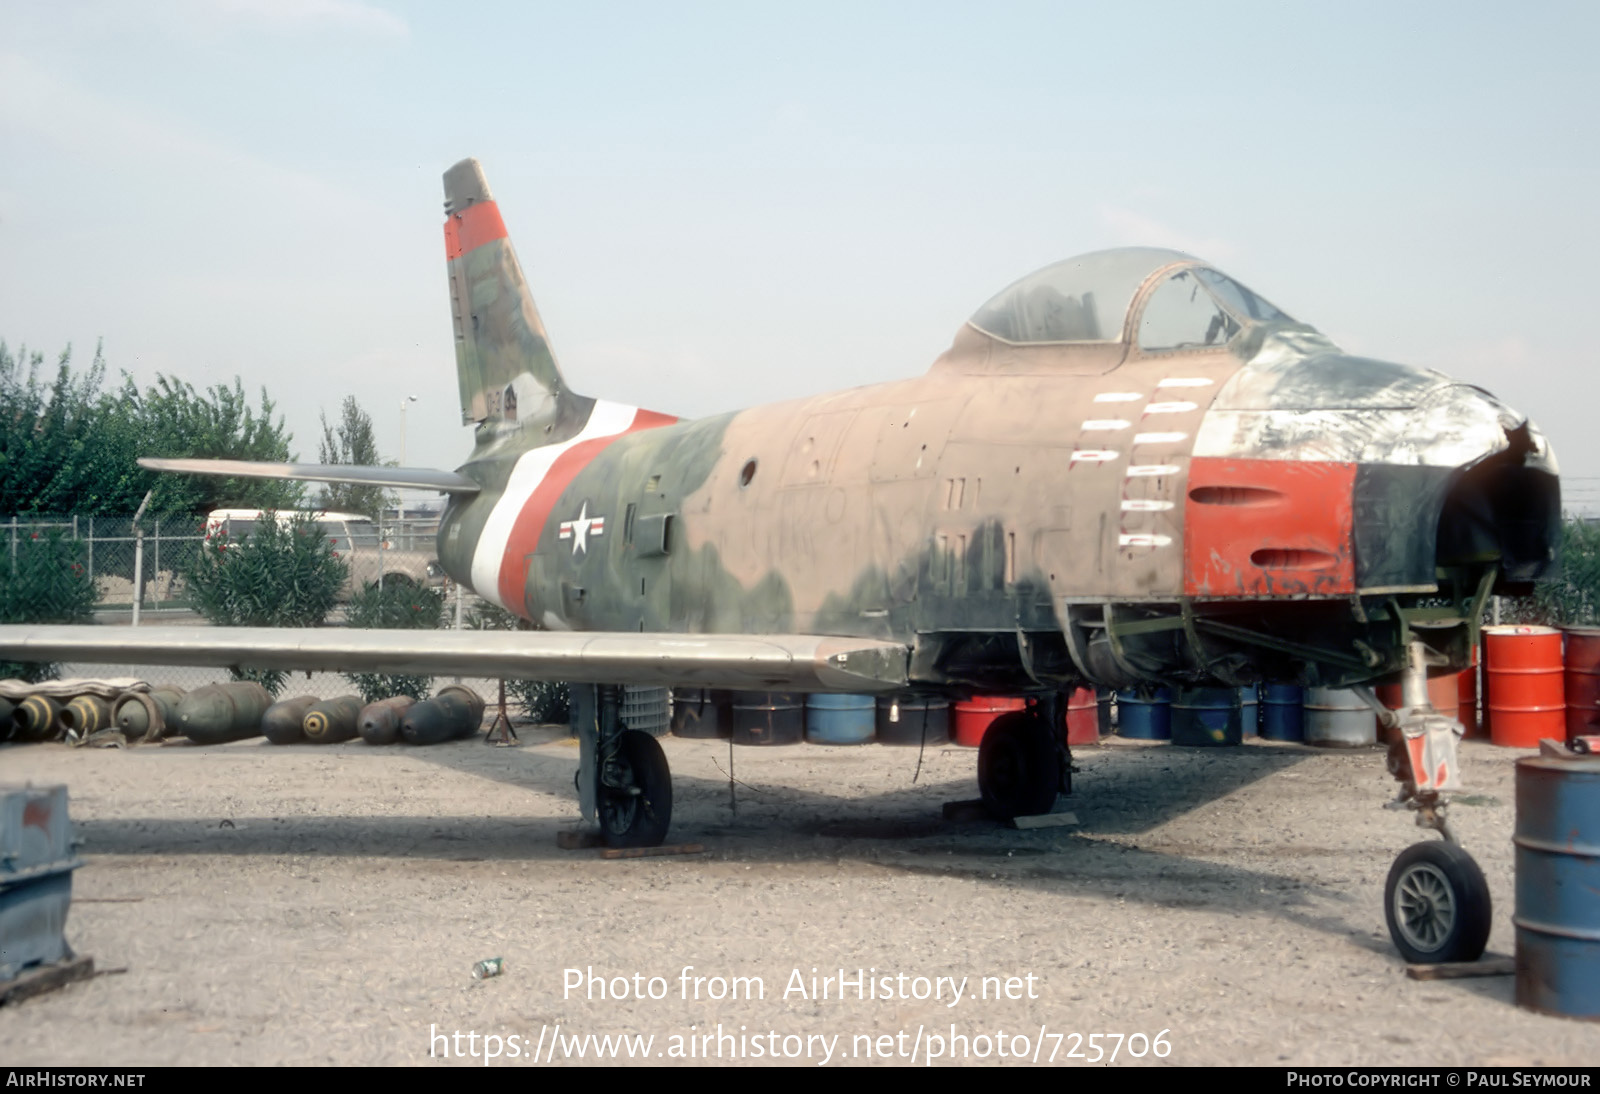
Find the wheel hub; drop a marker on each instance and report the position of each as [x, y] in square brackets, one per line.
[1425, 906]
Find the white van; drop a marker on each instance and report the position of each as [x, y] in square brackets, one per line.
[355, 539]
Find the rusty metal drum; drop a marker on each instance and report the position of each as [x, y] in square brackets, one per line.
[973, 717]
[1527, 691]
[913, 720]
[1557, 917]
[768, 718]
[1444, 693]
[1582, 680]
[1339, 718]
[1083, 717]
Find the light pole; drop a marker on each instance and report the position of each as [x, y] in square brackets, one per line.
[403, 403]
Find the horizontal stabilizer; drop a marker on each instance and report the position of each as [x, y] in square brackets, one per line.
[411, 478]
[769, 662]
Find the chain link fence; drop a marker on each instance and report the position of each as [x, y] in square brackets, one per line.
[82, 569]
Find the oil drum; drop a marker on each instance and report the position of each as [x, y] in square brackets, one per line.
[1527, 691]
[973, 717]
[1145, 718]
[1557, 917]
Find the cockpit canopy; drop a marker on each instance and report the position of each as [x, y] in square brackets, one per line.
[1091, 298]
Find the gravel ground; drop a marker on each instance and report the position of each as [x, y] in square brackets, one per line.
[326, 905]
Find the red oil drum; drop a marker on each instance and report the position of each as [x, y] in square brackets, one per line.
[1527, 694]
[1583, 681]
[1444, 692]
[971, 718]
[1083, 717]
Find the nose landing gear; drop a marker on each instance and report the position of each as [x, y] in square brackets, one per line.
[1435, 901]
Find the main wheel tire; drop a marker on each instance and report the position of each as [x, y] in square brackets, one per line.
[637, 811]
[1437, 904]
[1019, 774]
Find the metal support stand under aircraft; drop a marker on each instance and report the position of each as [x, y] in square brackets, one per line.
[1435, 900]
[623, 780]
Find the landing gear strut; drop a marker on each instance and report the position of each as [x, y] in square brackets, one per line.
[623, 779]
[1436, 901]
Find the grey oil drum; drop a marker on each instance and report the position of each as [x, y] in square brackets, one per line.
[1339, 718]
[701, 713]
[1558, 876]
[768, 718]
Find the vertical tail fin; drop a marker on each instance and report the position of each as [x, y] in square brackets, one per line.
[503, 359]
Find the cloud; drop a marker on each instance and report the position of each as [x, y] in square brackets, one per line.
[1128, 228]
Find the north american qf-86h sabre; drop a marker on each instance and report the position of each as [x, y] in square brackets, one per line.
[1127, 469]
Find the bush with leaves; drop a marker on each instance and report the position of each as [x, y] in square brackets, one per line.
[46, 581]
[285, 574]
[403, 606]
[546, 702]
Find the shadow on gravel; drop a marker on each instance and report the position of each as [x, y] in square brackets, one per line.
[1118, 792]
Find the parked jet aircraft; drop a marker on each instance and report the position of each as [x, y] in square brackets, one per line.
[1127, 469]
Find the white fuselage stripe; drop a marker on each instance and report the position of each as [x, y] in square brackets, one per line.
[605, 420]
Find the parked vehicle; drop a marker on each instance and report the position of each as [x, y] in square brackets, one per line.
[356, 539]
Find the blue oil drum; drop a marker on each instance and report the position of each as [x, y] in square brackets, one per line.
[1283, 716]
[1145, 719]
[1203, 717]
[1249, 711]
[840, 719]
[1558, 874]
[913, 720]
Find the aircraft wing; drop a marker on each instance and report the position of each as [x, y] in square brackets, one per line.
[771, 662]
[411, 478]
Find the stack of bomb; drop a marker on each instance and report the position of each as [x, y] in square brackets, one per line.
[218, 713]
[35, 718]
[147, 715]
[332, 720]
[282, 723]
[454, 713]
[379, 723]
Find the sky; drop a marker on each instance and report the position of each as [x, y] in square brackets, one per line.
[725, 204]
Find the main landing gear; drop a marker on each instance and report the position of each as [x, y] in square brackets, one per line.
[623, 779]
[1022, 766]
[1436, 901]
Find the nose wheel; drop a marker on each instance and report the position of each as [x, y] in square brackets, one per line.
[1437, 904]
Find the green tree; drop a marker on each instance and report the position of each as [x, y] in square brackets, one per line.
[71, 446]
[1572, 597]
[44, 580]
[286, 574]
[398, 605]
[353, 443]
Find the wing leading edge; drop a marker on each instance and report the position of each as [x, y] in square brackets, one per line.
[772, 662]
[418, 478]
